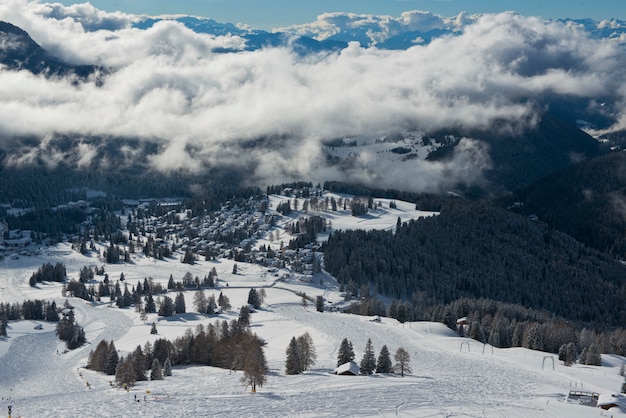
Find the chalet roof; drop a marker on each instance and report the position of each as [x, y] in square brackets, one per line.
[350, 368]
[608, 400]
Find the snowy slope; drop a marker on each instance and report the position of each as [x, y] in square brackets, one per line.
[451, 375]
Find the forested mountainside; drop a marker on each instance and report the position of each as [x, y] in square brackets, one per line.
[475, 250]
[42, 188]
[522, 156]
[586, 201]
[20, 51]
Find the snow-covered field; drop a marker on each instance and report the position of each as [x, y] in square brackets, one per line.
[451, 376]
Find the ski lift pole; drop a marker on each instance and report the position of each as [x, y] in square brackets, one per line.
[9, 408]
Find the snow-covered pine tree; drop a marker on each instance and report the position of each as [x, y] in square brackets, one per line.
[346, 352]
[593, 357]
[368, 362]
[139, 363]
[167, 367]
[179, 303]
[254, 299]
[156, 373]
[166, 307]
[319, 304]
[383, 365]
[112, 358]
[244, 316]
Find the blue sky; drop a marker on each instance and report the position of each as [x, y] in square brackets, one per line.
[272, 13]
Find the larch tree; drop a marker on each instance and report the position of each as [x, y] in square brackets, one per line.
[125, 372]
[200, 301]
[308, 356]
[97, 358]
[254, 367]
[383, 365]
[403, 361]
[368, 362]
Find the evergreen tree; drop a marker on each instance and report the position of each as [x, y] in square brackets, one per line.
[189, 257]
[319, 304]
[154, 330]
[244, 316]
[167, 307]
[368, 362]
[593, 357]
[211, 305]
[293, 364]
[139, 364]
[150, 304]
[383, 365]
[111, 361]
[403, 361]
[346, 352]
[155, 371]
[179, 303]
[534, 338]
[223, 302]
[254, 299]
[167, 367]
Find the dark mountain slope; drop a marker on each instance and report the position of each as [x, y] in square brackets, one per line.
[478, 251]
[587, 201]
[18, 51]
[524, 157]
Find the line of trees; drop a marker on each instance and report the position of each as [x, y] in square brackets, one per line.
[370, 364]
[301, 354]
[69, 331]
[48, 273]
[221, 344]
[29, 309]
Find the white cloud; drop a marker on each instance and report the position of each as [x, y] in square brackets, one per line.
[167, 86]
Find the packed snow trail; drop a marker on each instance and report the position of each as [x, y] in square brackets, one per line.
[36, 372]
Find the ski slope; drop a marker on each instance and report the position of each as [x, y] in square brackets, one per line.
[451, 376]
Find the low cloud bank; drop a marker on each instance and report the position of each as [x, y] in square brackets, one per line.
[169, 86]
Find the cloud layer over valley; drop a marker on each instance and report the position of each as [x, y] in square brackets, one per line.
[271, 110]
